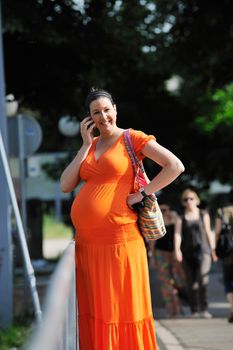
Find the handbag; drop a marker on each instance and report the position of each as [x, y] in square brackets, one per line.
[150, 218]
[224, 245]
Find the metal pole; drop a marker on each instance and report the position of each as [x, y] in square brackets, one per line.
[27, 262]
[22, 171]
[23, 209]
[51, 334]
[6, 265]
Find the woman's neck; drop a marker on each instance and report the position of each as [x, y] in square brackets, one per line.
[192, 213]
[116, 132]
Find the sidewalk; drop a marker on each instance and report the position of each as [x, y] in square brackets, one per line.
[198, 334]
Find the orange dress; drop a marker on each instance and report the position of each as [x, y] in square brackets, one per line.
[114, 300]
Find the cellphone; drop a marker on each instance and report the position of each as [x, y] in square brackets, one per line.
[95, 132]
[91, 121]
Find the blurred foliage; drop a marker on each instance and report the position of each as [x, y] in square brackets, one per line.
[54, 229]
[53, 170]
[14, 337]
[55, 51]
[221, 113]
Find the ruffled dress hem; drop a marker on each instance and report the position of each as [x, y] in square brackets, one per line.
[117, 336]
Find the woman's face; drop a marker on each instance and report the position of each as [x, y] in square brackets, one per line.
[165, 209]
[103, 113]
[190, 200]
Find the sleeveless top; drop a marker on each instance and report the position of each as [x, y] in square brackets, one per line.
[228, 219]
[227, 214]
[167, 242]
[193, 234]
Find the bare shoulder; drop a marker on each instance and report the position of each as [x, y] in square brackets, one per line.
[175, 217]
[204, 213]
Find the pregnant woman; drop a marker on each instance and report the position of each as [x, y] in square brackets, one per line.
[114, 301]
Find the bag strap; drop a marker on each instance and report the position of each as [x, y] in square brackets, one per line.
[137, 164]
[135, 161]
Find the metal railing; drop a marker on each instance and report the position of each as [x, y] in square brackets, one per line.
[58, 329]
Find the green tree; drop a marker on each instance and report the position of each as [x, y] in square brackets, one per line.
[221, 113]
[196, 44]
[54, 53]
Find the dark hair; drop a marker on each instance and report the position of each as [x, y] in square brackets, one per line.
[162, 200]
[95, 94]
[230, 196]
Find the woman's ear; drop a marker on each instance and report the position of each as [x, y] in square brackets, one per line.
[114, 106]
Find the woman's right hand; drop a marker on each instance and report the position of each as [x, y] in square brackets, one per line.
[178, 255]
[214, 256]
[86, 127]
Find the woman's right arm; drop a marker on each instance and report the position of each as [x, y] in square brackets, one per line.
[70, 176]
[217, 228]
[177, 240]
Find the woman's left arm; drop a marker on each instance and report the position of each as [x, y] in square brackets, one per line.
[172, 167]
[217, 228]
[206, 220]
[178, 239]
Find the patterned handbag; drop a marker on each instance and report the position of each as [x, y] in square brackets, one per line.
[150, 218]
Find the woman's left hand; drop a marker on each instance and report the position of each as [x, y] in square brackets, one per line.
[133, 198]
[214, 256]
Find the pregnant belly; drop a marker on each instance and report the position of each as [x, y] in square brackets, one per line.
[96, 206]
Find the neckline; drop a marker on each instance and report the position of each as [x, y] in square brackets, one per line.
[192, 220]
[114, 143]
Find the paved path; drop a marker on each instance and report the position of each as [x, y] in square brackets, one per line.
[214, 334]
[198, 334]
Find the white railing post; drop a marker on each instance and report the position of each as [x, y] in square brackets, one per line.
[58, 329]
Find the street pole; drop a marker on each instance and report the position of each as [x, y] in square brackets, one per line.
[6, 265]
[22, 172]
[27, 262]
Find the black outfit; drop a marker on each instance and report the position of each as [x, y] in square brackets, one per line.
[227, 263]
[196, 261]
[167, 243]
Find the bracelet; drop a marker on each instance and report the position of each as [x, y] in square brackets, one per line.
[143, 193]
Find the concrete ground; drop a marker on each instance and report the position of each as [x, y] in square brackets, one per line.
[198, 334]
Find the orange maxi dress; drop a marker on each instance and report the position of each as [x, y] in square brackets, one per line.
[114, 300]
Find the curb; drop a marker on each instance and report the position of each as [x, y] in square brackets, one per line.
[165, 339]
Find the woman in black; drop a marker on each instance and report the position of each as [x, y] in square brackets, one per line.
[193, 247]
[225, 215]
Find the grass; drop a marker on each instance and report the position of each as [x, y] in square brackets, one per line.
[54, 229]
[14, 337]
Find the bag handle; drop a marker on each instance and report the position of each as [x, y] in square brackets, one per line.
[129, 145]
[137, 164]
